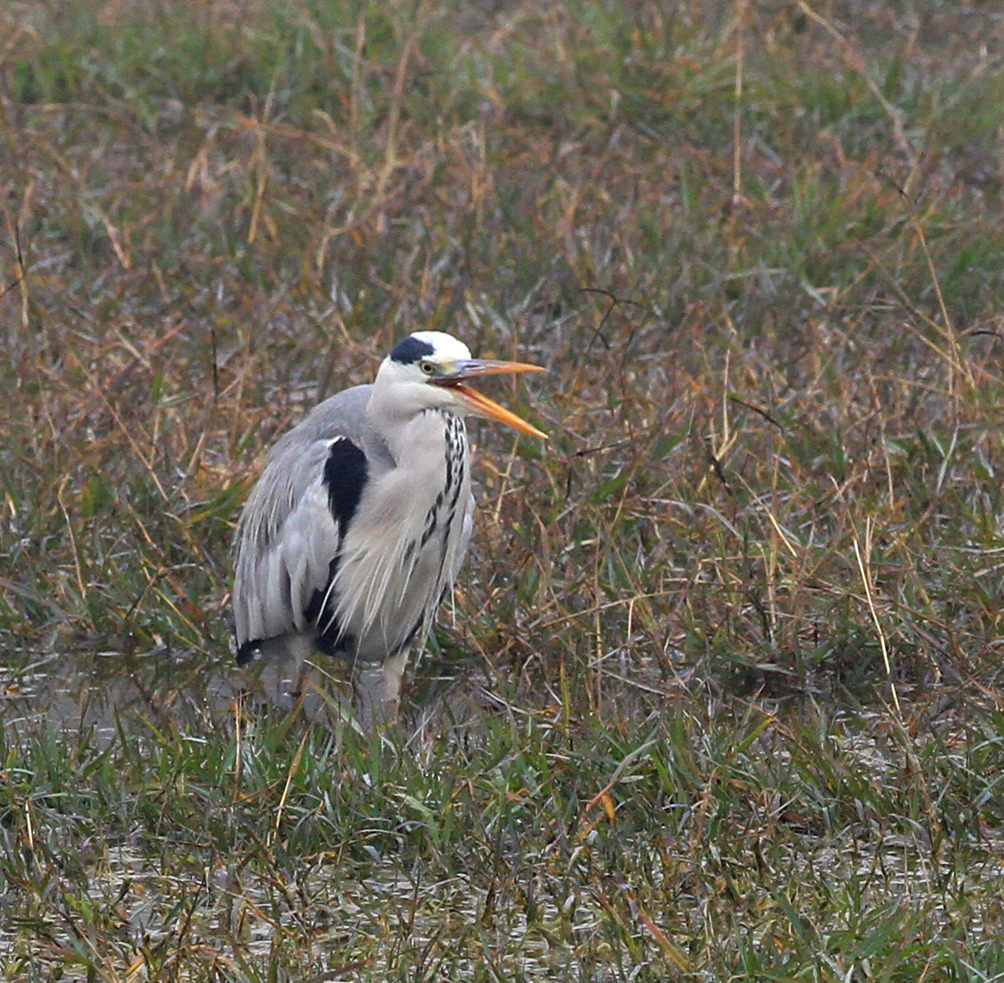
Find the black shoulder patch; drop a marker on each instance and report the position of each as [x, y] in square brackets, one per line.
[411, 350]
[345, 473]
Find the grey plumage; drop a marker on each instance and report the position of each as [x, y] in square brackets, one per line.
[360, 521]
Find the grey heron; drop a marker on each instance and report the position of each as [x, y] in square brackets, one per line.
[359, 523]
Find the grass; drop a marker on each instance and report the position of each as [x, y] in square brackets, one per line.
[721, 694]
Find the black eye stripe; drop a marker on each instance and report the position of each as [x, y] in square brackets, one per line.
[411, 350]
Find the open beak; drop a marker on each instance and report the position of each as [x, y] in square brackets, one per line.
[478, 403]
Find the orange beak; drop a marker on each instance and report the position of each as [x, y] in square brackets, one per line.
[478, 403]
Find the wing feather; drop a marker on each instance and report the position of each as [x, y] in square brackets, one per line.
[290, 534]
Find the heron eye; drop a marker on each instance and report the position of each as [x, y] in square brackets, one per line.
[428, 368]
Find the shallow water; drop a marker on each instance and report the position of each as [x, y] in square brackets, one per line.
[96, 693]
[371, 918]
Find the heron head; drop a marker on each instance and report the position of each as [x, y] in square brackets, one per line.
[429, 368]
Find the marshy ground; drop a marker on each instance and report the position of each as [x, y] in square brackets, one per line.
[720, 695]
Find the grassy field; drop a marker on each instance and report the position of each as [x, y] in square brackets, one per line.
[721, 694]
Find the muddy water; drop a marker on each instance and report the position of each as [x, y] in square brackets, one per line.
[376, 913]
[98, 692]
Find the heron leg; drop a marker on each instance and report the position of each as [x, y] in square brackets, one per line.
[378, 691]
[282, 668]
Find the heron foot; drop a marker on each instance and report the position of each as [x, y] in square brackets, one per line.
[378, 691]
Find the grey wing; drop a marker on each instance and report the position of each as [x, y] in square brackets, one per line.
[289, 536]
